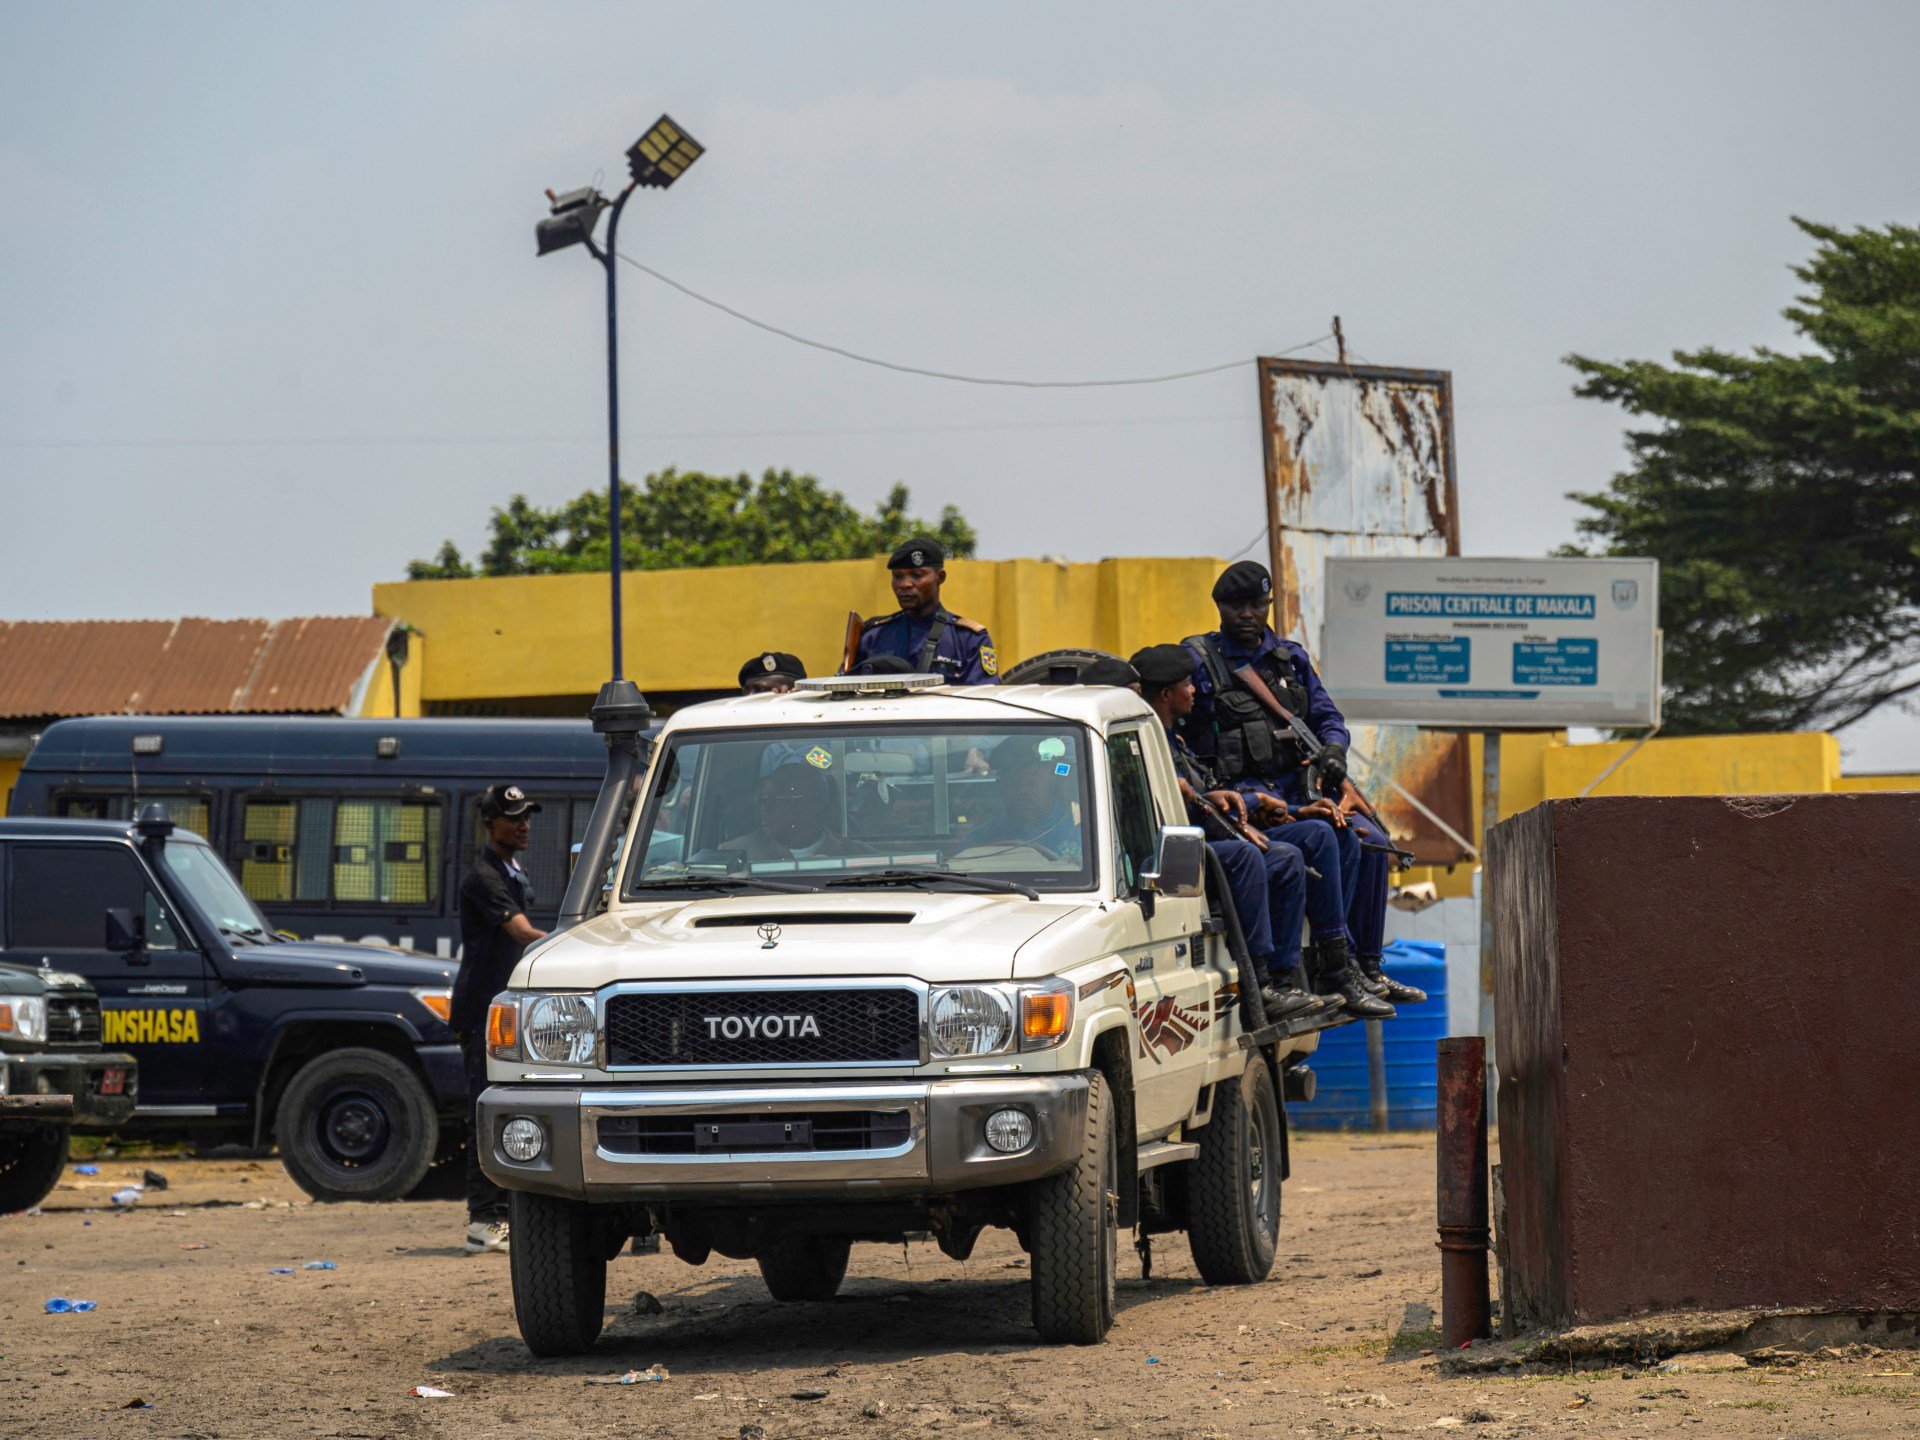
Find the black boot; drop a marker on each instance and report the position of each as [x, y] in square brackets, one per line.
[1322, 1004]
[1335, 974]
[1283, 1001]
[1385, 986]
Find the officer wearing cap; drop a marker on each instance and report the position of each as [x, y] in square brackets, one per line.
[494, 931]
[1232, 726]
[771, 672]
[1266, 877]
[1111, 670]
[931, 639]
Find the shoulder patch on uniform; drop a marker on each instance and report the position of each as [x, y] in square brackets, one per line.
[873, 621]
[973, 625]
[989, 661]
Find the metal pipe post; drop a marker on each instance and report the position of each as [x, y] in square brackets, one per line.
[1461, 1198]
[1377, 1074]
[1489, 817]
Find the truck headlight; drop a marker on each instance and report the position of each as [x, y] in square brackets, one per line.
[970, 1020]
[25, 1018]
[561, 1029]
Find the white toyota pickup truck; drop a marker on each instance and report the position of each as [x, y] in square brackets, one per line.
[880, 958]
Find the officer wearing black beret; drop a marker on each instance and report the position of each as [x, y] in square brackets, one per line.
[931, 639]
[771, 672]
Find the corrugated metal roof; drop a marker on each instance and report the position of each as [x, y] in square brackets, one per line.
[309, 666]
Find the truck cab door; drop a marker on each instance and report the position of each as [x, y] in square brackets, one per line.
[153, 995]
[1172, 981]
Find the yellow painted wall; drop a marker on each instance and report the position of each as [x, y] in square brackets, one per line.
[9, 773]
[1877, 782]
[494, 639]
[1701, 765]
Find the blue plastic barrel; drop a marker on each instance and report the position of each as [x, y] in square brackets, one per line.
[1342, 1099]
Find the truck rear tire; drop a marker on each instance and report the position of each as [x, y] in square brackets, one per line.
[1074, 1233]
[558, 1255]
[805, 1267]
[356, 1124]
[31, 1161]
[1233, 1185]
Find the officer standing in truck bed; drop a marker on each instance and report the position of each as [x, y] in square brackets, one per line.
[929, 637]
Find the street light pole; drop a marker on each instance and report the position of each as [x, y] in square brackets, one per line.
[606, 259]
[656, 159]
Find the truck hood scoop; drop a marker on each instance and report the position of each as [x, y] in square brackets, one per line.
[755, 919]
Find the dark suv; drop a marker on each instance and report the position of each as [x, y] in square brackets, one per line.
[54, 1079]
[341, 1054]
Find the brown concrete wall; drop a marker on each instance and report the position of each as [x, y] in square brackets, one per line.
[1709, 1049]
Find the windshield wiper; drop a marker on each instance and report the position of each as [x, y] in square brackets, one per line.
[918, 877]
[722, 882]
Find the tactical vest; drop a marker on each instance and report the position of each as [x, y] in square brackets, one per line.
[1245, 740]
[923, 663]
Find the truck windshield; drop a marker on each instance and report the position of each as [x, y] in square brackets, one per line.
[198, 871]
[893, 804]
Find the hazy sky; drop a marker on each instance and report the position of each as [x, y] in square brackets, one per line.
[271, 323]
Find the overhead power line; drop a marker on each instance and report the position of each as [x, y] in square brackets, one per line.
[845, 353]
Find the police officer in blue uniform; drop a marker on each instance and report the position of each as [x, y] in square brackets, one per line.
[1256, 754]
[1267, 877]
[931, 639]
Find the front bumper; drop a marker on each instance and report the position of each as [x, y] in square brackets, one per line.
[943, 1148]
[81, 1075]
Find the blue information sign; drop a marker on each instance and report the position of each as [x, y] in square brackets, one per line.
[1565, 661]
[1427, 662]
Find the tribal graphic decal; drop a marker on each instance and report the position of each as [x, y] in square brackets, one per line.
[1165, 1026]
[1225, 998]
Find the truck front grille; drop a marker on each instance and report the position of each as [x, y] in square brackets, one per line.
[763, 1027]
[73, 1019]
[802, 1132]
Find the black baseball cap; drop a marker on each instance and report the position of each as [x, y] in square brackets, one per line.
[504, 801]
[1108, 670]
[916, 553]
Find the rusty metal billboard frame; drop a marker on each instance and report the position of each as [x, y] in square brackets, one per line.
[1436, 762]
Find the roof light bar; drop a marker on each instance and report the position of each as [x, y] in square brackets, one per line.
[847, 686]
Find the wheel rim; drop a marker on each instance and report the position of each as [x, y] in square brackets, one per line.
[352, 1128]
[1263, 1170]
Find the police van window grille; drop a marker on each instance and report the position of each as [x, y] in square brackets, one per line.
[386, 852]
[282, 850]
[189, 812]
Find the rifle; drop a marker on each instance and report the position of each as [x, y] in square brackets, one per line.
[850, 647]
[1311, 744]
[1225, 823]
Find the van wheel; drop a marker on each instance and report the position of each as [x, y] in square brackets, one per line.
[557, 1252]
[356, 1124]
[1233, 1187]
[1074, 1233]
[805, 1267]
[30, 1164]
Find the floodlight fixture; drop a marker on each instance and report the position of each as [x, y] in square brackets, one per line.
[662, 155]
[575, 216]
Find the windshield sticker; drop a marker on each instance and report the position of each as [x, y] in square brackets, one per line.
[1052, 748]
[820, 758]
[1063, 768]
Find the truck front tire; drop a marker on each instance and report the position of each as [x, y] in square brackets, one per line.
[356, 1124]
[1074, 1233]
[31, 1160]
[1233, 1185]
[805, 1267]
[558, 1256]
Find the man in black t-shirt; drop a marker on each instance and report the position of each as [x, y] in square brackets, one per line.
[494, 931]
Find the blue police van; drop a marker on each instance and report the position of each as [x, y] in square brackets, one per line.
[337, 829]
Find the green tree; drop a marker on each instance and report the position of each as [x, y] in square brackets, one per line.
[679, 520]
[1781, 495]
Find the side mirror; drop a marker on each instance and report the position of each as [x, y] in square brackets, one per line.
[124, 932]
[1180, 865]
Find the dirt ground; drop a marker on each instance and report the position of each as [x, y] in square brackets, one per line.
[193, 1322]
